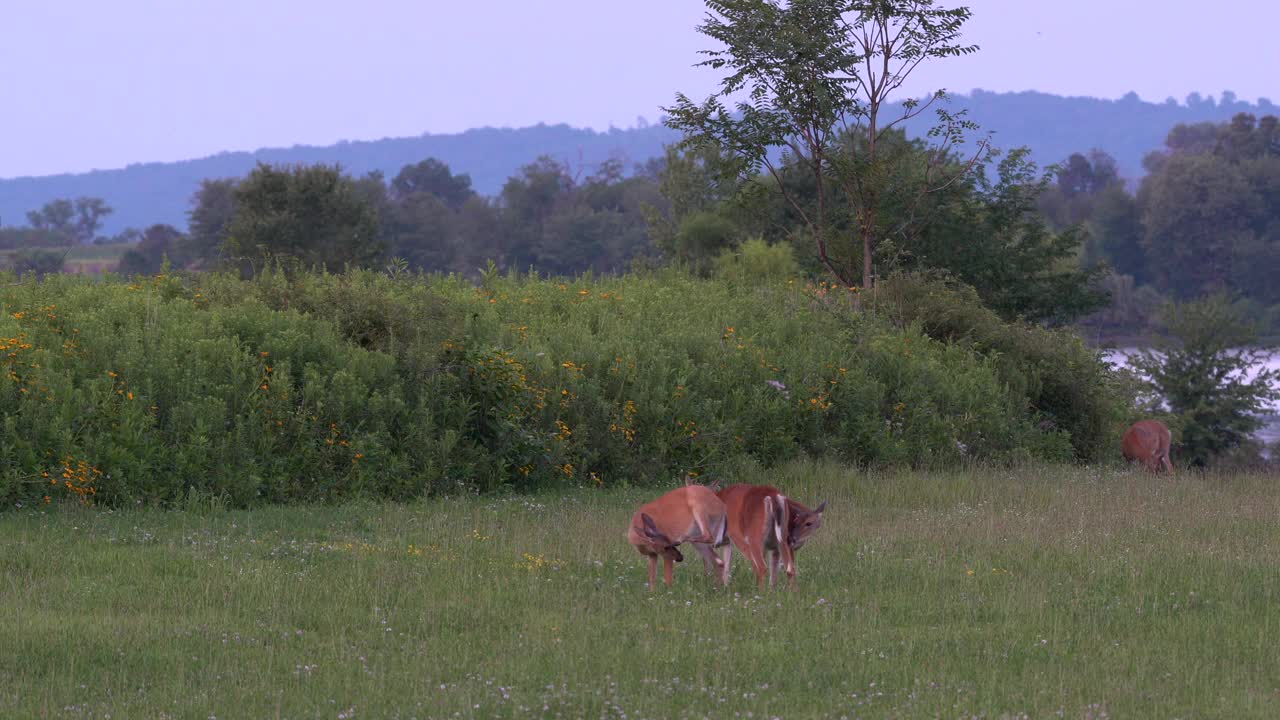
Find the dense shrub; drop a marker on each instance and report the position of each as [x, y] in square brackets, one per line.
[1062, 382]
[38, 262]
[1213, 378]
[756, 260]
[319, 387]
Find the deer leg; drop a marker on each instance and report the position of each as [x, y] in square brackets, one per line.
[757, 564]
[712, 532]
[667, 564]
[773, 568]
[788, 554]
[755, 554]
[726, 557]
[709, 559]
[653, 571]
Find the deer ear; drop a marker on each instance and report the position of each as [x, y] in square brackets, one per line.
[821, 507]
[650, 528]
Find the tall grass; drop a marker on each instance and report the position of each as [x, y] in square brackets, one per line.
[1018, 592]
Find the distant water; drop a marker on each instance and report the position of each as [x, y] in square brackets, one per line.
[1268, 434]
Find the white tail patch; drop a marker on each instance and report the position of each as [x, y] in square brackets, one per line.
[770, 519]
[781, 519]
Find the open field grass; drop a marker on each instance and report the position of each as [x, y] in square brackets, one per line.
[1058, 592]
[90, 259]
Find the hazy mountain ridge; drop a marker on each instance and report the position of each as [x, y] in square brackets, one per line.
[1053, 126]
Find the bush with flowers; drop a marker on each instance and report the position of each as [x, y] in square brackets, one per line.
[319, 387]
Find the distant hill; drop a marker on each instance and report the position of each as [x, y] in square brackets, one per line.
[1052, 126]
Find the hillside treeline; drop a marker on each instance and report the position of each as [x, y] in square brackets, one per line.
[1052, 247]
[984, 230]
[1205, 219]
[426, 218]
[1053, 127]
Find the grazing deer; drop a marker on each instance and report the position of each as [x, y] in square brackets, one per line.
[1147, 442]
[691, 513]
[762, 519]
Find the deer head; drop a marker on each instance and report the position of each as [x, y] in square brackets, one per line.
[656, 541]
[804, 523]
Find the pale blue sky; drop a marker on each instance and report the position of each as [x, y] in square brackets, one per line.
[91, 84]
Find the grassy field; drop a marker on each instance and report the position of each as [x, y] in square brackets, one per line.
[90, 259]
[1060, 592]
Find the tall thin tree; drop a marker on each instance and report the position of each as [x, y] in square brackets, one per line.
[807, 73]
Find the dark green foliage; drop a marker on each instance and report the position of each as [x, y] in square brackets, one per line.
[89, 214]
[1211, 209]
[421, 229]
[1063, 382]
[212, 208]
[157, 244]
[1206, 219]
[803, 73]
[56, 215]
[1132, 306]
[38, 262]
[1194, 209]
[984, 228]
[1212, 376]
[1116, 225]
[579, 238]
[1081, 183]
[420, 214]
[528, 201]
[77, 220]
[427, 218]
[315, 216]
[434, 178]
[994, 239]
[690, 182]
[554, 223]
[147, 193]
[703, 236]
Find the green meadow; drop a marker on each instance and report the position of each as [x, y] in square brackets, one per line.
[88, 259]
[1027, 591]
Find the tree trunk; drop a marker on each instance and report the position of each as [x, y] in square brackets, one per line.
[866, 229]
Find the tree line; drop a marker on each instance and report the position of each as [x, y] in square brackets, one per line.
[1046, 245]
[1205, 220]
[426, 218]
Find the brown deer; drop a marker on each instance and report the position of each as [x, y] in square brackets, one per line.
[691, 513]
[762, 519]
[1147, 442]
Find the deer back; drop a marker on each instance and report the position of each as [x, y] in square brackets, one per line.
[676, 514]
[1147, 442]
